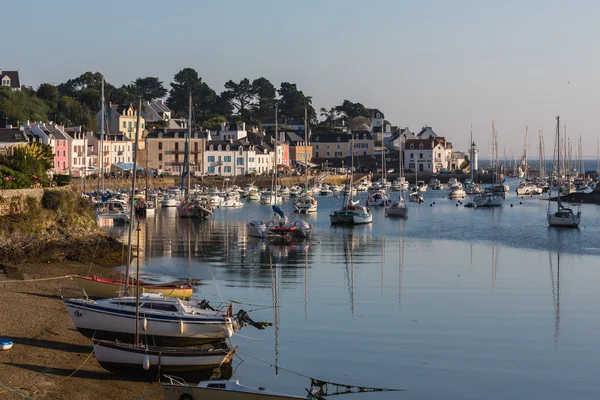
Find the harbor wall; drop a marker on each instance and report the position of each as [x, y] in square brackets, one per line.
[16, 201]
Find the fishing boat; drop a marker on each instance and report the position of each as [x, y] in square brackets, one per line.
[351, 213]
[148, 360]
[559, 215]
[224, 389]
[100, 288]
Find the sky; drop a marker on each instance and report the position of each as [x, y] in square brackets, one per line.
[443, 63]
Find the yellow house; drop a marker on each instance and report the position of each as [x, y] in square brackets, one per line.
[123, 118]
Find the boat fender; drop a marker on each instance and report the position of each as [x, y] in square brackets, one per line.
[181, 327]
[146, 362]
[145, 326]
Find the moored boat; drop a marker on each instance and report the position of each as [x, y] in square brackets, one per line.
[96, 287]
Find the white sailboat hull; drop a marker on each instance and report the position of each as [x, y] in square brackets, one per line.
[397, 210]
[571, 221]
[93, 320]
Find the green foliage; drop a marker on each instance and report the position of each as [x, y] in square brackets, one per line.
[264, 99]
[71, 112]
[240, 96]
[186, 83]
[20, 106]
[349, 110]
[215, 122]
[292, 102]
[62, 180]
[49, 93]
[26, 166]
[149, 88]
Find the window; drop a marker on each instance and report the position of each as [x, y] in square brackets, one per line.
[227, 158]
[160, 306]
[327, 147]
[317, 146]
[420, 145]
[142, 126]
[338, 153]
[317, 154]
[240, 161]
[227, 169]
[250, 159]
[129, 125]
[124, 124]
[428, 165]
[159, 156]
[176, 146]
[338, 139]
[364, 153]
[327, 154]
[211, 169]
[338, 147]
[211, 158]
[420, 155]
[160, 145]
[411, 155]
[357, 145]
[195, 147]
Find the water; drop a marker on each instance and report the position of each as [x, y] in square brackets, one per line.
[452, 303]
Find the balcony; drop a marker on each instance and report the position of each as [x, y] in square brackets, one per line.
[119, 153]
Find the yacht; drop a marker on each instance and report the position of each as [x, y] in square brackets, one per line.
[488, 200]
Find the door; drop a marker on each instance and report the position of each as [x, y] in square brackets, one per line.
[420, 167]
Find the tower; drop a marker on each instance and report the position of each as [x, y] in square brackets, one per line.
[473, 157]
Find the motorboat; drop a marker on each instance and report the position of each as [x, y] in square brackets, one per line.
[378, 199]
[232, 203]
[435, 184]
[169, 201]
[400, 185]
[115, 211]
[195, 209]
[415, 197]
[305, 204]
[257, 229]
[526, 188]
[352, 214]
[457, 192]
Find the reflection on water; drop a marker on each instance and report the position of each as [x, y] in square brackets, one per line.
[402, 303]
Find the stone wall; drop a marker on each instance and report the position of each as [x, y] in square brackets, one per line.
[14, 201]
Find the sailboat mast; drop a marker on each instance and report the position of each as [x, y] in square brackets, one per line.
[275, 171]
[187, 146]
[131, 202]
[137, 291]
[526, 166]
[472, 154]
[102, 139]
[350, 196]
[305, 146]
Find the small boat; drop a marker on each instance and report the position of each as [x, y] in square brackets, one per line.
[415, 197]
[488, 200]
[222, 389]
[232, 203]
[305, 204]
[113, 210]
[257, 229]
[5, 344]
[100, 288]
[457, 192]
[169, 201]
[378, 199]
[148, 360]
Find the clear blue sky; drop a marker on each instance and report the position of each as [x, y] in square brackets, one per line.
[444, 63]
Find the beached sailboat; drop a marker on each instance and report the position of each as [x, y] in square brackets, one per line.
[559, 215]
[101, 288]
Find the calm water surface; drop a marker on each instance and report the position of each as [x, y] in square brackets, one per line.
[451, 303]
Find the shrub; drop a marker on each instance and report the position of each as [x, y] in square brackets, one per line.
[62, 180]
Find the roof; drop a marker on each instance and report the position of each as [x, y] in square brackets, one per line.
[12, 135]
[54, 131]
[127, 166]
[374, 111]
[121, 108]
[15, 82]
[428, 144]
[158, 106]
[293, 138]
[170, 134]
[340, 137]
[427, 133]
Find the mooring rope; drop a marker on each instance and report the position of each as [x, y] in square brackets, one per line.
[39, 279]
[16, 392]
[81, 365]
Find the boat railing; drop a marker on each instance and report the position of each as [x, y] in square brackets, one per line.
[72, 292]
[175, 380]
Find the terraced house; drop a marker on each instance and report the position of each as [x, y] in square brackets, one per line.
[166, 150]
[338, 145]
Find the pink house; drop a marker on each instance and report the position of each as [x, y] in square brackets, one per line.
[58, 141]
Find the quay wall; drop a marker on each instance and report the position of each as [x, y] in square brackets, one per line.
[16, 201]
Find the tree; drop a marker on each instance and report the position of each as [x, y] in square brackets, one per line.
[19, 106]
[215, 122]
[186, 83]
[150, 88]
[71, 111]
[330, 115]
[264, 99]
[359, 124]
[240, 96]
[349, 110]
[126, 94]
[49, 93]
[292, 102]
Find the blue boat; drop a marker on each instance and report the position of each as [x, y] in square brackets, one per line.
[5, 344]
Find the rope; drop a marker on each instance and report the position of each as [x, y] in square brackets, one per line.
[39, 279]
[81, 365]
[15, 392]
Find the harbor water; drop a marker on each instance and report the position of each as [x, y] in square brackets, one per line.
[452, 303]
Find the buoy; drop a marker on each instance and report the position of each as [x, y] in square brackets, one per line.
[145, 326]
[520, 202]
[5, 344]
[431, 205]
[146, 362]
[181, 327]
[511, 205]
[434, 202]
[456, 204]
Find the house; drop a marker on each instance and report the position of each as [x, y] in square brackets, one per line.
[236, 158]
[456, 160]
[76, 151]
[118, 149]
[166, 150]
[230, 131]
[398, 138]
[10, 136]
[295, 125]
[427, 154]
[337, 145]
[300, 151]
[157, 110]
[382, 132]
[377, 117]
[54, 136]
[123, 118]
[10, 79]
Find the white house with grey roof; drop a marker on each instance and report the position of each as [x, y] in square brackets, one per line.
[157, 110]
